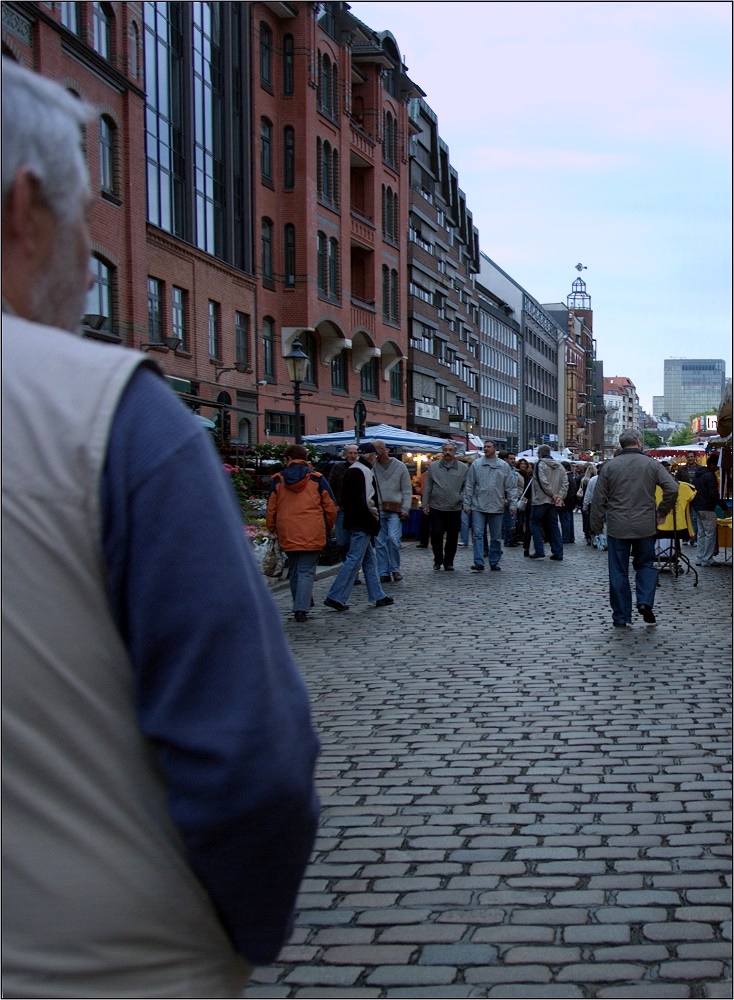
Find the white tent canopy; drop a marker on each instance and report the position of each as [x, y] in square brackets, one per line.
[394, 437]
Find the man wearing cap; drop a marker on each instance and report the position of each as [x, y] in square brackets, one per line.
[362, 521]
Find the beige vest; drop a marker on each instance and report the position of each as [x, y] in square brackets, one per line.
[98, 897]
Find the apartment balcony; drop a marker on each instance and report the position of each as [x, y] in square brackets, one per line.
[363, 314]
[362, 228]
[362, 144]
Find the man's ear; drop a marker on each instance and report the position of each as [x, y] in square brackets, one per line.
[25, 215]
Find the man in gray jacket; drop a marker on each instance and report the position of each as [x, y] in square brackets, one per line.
[550, 485]
[625, 495]
[396, 496]
[442, 499]
[490, 486]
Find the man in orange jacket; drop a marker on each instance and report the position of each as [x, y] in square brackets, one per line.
[302, 512]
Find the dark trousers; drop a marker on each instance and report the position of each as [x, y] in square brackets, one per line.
[448, 523]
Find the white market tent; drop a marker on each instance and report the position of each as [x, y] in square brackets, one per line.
[394, 437]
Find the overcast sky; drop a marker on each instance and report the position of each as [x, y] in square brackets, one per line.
[593, 133]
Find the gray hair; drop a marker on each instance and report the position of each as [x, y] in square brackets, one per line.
[41, 130]
[630, 439]
[544, 451]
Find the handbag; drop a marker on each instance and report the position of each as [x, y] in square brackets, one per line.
[274, 559]
[391, 507]
[523, 501]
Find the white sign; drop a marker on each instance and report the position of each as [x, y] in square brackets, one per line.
[427, 410]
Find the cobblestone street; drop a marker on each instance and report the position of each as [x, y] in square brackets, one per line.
[518, 799]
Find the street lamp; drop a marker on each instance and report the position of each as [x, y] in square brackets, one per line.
[297, 362]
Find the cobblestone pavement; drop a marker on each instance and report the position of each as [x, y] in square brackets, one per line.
[518, 799]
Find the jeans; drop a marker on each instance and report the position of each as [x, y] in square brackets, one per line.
[465, 527]
[444, 522]
[480, 520]
[694, 524]
[301, 572]
[646, 575]
[567, 528]
[547, 514]
[508, 527]
[341, 534]
[707, 532]
[387, 544]
[361, 554]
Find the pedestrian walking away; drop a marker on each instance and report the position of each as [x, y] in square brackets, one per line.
[395, 495]
[158, 781]
[704, 503]
[490, 487]
[550, 485]
[442, 499]
[336, 480]
[302, 512]
[624, 494]
[362, 521]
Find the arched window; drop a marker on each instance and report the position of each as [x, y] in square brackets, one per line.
[385, 291]
[325, 84]
[369, 378]
[268, 347]
[339, 372]
[326, 168]
[333, 268]
[100, 298]
[335, 178]
[289, 251]
[102, 20]
[266, 149]
[308, 343]
[321, 272]
[388, 146]
[288, 66]
[266, 54]
[107, 155]
[394, 296]
[396, 383]
[267, 249]
[289, 157]
[319, 165]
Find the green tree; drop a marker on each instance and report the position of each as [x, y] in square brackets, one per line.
[651, 439]
[683, 436]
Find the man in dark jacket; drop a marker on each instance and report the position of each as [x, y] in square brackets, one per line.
[362, 521]
[704, 503]
[687, 474]
[625, 495]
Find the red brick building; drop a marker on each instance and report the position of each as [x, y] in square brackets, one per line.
[331, 207]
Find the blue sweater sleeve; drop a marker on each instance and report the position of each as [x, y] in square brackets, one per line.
[217, 690]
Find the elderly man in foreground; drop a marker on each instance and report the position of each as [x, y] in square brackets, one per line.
[158, 755]
[625, 496]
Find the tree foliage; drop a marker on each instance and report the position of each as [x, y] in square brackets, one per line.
[683, 436]
[651, 439]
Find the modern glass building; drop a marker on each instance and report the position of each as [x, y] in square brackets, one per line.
[692, 385]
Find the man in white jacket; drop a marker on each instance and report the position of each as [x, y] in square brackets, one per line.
[491, 485]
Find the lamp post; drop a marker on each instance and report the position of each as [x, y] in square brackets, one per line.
[297, 362]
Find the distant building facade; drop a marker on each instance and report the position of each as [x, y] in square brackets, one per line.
[690, 386]
[622, 411]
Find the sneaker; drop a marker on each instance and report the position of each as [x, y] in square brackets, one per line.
[336, 605]
[449, 569]
[397, 577]
[647, 613]
[556, 558]
[476, 568]
[385, 579]
[462, 544]
[384, 602]
[436, 567]
[495, 568]
[620, 624]
[537, 555]
[300, 616]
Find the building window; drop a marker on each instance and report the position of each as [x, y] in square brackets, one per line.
[214, 330]
[100, 298]
[242, 338]
[266, 53]
[339, 372]
[324, 89]
[289, 158]
[283, 424]
[178, 315]
[69, 13]
[389, 214]
[267, 249]
[208, 99]
[269, 347]
[334, 425]
[385, 291]
[266, 149]
[389, 146]
[308, 343]
[333, 268]
[288, 66]
[369, 379]
[396, 383]
[289, 243]
[326, 171]
[155, 311]
[394, 298]
[321, 272]
[102, 29]
[107, 155]
[133, 37]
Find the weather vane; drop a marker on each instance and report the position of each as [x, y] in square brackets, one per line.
[581, 267]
